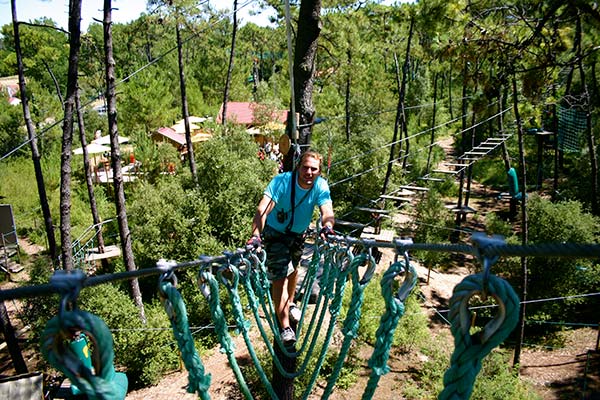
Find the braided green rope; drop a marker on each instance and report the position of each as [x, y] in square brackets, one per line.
[469, 349]
[218, 318]
[394, 310]
[352, 321]
[243, 325]
[177, 313]
[102, 385]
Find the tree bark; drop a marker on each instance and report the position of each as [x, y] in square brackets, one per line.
[88, 177]
[348, 87]
[589, 131]
[116, 157]
[524, 227]
[230, 68]
[12, 341]
[305, 55]
[184, 109]
[67, 137]
[35, 154]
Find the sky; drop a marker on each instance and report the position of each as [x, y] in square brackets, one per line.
[124, 11]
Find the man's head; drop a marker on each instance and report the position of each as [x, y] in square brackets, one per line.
[309, 168]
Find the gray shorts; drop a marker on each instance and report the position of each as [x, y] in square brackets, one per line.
[284, 251]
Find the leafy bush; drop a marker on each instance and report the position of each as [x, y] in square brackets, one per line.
[146, 351]
[434, 225]
[412, 327]
[496, 380]
[563, 222]
[231, 180]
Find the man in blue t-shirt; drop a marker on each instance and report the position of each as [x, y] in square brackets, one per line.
[282, 217]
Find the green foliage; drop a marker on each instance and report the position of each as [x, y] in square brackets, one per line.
[434, 224]
[231, 180]
[412, 327]
[169, 222]
[496, 380]
[146, 352]
[558, 223]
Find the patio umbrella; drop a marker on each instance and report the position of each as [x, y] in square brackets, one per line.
[92, 148]
[106, 139]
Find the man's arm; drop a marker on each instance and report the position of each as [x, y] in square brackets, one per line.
[327, 217]
[265, 206]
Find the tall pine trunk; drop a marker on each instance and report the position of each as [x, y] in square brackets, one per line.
[184, 109]
[88, 177]
[35, 154]
[67, 137]
[111, 99]
[524, 223]
[230, 68]
[305, 55]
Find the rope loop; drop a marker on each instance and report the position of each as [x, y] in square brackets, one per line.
[470, 349]
[101, 382]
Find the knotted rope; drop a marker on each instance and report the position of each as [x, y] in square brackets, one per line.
[177, 313]
[470, 350]
[394, 310]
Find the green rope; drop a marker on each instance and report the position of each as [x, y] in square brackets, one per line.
[106, 384]
[352, 321]
[220, 322]
[177, 313]
[394, 310]
[242, 324]
[470, 350]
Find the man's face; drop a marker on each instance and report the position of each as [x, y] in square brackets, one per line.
[308, 171]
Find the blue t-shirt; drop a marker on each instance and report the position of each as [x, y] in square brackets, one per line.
[279, 190]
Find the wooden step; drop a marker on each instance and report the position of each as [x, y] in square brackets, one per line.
[395, 198]
[415, 188]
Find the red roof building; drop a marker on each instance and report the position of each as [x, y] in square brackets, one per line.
[243, 113]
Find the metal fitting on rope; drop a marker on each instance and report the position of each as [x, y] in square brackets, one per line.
[68, 284]
[410, 278]
[483, 250]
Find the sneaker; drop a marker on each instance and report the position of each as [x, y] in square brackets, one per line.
[288, 337]
[295, 313]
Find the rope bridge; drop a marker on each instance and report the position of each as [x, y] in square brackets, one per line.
[245, 270]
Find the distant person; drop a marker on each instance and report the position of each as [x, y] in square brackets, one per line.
[282, 217]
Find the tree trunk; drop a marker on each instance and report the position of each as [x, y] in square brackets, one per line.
[116, 157]
[524, 228]
[433, 114]
[12, 341]
[67, 137]
[35, 154]
[230, 68]
[305, 54]
[88, 177]
[404, 124]
[391, 160]
[589, 132]
[184, 109]
[56, 85]
[348, 86]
